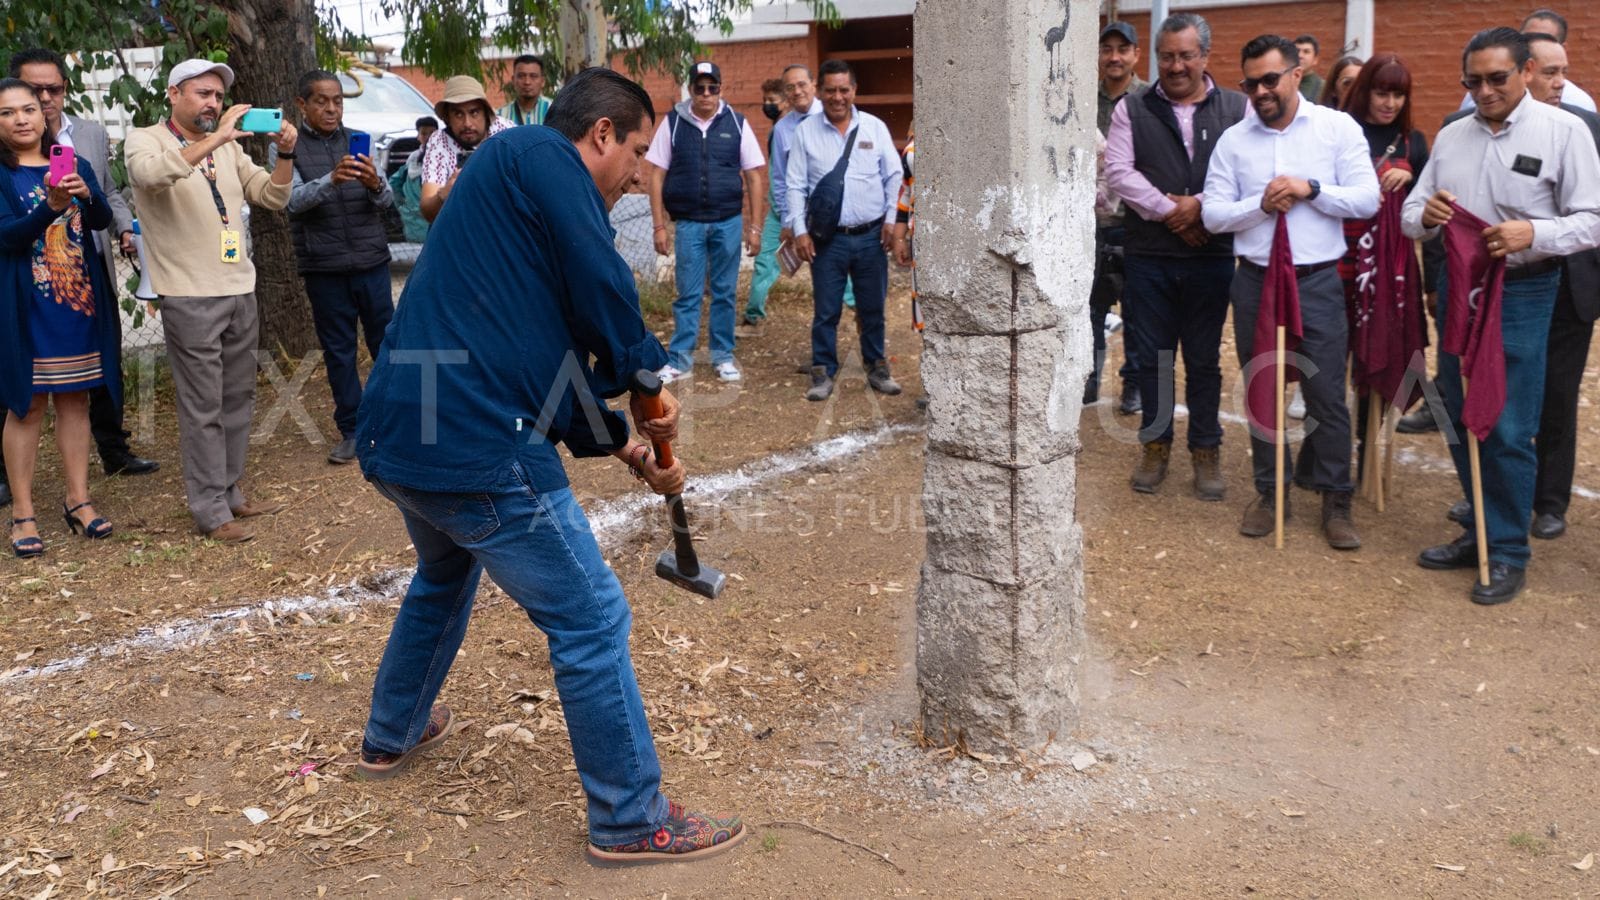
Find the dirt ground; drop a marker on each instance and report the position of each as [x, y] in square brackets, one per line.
[1294, 723]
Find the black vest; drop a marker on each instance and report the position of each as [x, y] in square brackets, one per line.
[344, 233]
[1159, 155]
[704, 182]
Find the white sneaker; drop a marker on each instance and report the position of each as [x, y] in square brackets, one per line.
[728, 371]
[669, 374]
[1113, 323]
[1297, 405]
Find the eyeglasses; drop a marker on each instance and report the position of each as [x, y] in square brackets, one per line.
[1269, 81]
[708, 89]
[1495, 79]
[1187, 56]
[49, 90]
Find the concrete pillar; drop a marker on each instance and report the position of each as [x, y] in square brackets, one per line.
[1359, 16]
[1005, 99]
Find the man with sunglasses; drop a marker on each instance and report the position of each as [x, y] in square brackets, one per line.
[1309, 165]
[1529, 169]
[46, 71]
[1177, 275]
[706, 175]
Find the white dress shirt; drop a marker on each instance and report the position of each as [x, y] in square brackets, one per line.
[1480, 167]
[1320, 143]
[871, 183]
[64, 135]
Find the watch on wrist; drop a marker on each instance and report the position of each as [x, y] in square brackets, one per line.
[1316, 188]
[283, 155]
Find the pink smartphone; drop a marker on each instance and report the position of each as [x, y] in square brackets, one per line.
[63, 162]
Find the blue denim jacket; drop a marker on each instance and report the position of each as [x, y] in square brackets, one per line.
[487, 362]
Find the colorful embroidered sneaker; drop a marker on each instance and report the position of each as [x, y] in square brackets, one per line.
[684, 837]
[378, 766]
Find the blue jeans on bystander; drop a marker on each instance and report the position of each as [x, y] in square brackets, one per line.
[702, 249]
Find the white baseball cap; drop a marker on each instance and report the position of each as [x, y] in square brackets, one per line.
[193, 68]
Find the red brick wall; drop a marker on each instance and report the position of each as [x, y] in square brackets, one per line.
[1428, 34]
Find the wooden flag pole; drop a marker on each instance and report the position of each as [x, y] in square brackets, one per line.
[1390, 421]
[1477, 498]
[1278, 441]
[1374, 464]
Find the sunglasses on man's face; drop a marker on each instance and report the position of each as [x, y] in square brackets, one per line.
[708, 89]
[1494, 79]
[1269, 81]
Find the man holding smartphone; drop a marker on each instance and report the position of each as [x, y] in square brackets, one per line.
[336, 214]
[190, 181]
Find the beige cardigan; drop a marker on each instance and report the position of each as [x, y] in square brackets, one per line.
[178, 217]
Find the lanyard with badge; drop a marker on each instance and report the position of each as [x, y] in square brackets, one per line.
[230, 248]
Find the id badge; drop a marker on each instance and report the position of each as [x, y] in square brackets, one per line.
[230, 246]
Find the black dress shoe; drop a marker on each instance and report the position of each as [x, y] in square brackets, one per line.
[1460, 512]
[128, 464]
[1130, 399]
[1418, 421]
[1548, 526]
[1461, 553]
[5, 493]
[1505, 583]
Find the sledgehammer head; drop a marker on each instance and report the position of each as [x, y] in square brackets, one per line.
[690, 575]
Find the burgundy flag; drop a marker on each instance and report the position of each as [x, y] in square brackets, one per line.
[1280, 305]
[1389, 331]
[1472, 320]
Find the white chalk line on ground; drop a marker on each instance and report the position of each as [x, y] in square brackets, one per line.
[612, 521]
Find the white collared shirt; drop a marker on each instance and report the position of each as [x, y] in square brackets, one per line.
[1540, 167]
[1321, 144]
[64, 133]
[871, 182]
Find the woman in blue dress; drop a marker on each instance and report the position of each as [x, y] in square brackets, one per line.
[58, 314]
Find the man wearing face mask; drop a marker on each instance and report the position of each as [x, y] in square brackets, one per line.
[1309, 165]
[773, 106]
[190, 182]
[468, 121]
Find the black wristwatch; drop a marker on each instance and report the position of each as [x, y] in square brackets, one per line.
[282, 155]
[1316, 188]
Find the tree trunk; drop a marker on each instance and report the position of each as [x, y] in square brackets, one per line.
[583, 32]
[273, 44]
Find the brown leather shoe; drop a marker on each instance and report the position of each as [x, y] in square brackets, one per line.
[250, 510]
[1208, 483]
[230, 532]
[1260, 517]
[1337, 525]
[1152, 469]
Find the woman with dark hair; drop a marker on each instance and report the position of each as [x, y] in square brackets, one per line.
[58, 321]
[1340, 79]
[1383, 287]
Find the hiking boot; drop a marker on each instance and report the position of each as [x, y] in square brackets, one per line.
[1208, 484]
[821, 384]
[377, 765]
[1152, 469]
[1260, 517]
[683, 837]
[880, 380]
[230, 532]
[1337, 525]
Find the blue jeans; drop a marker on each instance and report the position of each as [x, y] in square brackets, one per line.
[1172, 303]
[538, 548]
[766, 274]
[704, 248]
[847, 259]
[1507, 459]
[340, 300]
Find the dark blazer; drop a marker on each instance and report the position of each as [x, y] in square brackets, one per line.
[90, 142]
[19, 230]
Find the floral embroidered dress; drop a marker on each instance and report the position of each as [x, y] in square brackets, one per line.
[61, 321]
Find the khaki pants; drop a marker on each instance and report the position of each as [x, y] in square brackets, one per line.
[211, 344]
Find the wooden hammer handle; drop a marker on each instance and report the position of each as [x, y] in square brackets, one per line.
[648, 387]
